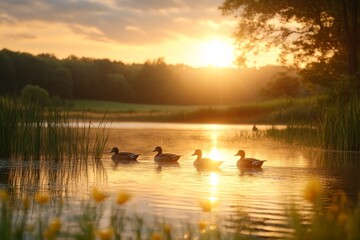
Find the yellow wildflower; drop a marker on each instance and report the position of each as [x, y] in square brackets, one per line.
[205, 204]
[313, 191]
[156, 236]
[98, 195]
[202, 226]
[105, 234]
[42, 198]
[167, 228]
[122, 198]
[52, 229]
[4, 195]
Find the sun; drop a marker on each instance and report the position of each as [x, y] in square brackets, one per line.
[217, 53]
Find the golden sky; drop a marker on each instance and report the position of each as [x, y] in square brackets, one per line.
[191, 32]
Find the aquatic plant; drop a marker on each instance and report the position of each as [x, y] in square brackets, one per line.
[28, 132]
[295, 134]
[340, 126]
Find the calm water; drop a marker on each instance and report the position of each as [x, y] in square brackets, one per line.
[173, 192]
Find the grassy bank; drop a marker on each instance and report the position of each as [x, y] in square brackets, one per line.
[267, 112]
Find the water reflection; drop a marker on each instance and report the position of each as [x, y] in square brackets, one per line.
[57, 177]
[172, 191]
[250, 172]
[163, 165]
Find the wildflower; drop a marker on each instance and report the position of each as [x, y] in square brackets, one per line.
[4, 195]
[205, 204]
[105, 234]
[156, 236]
[202, 226]
[52, 229]
[97, 195]
[167, 228]
[313, 191]
[122, 198]
[42, 198]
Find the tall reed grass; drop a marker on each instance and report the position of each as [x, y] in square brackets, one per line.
[340, 126]
[295, 134]
[29, 132]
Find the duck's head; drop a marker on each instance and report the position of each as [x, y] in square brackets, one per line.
[240, 153]
[158, 149]
[197, 153]
[115, 150]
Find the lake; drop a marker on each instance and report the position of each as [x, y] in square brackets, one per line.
[172, 193]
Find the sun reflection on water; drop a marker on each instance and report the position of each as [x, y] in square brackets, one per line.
[214, 182]
[214, 179]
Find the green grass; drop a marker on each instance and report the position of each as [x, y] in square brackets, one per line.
[29, 132]
[337, 128]
[106, 106]
[270, 112]
[340, 126]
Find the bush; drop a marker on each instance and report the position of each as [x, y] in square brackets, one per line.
[31, 94]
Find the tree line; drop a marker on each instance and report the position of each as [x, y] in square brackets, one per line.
[153, 82]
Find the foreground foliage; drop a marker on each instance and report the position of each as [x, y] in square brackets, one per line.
[34, 217]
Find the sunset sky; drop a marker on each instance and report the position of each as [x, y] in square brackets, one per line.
[132, 31]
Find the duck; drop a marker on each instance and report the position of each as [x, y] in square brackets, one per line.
[247, 162]
[165, 157]
[255, 129]
[123, 156]
[205, 163]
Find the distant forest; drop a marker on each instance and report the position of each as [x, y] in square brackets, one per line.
[153, 82]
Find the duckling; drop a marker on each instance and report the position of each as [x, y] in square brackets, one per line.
[165, 157]
[205, 163]
[248, 162]
[123, 156]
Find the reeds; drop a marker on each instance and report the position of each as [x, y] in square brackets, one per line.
[338, 129]
[295, 134]
[28, 132]
[340, 126]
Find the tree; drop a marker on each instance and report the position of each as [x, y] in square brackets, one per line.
[320, 36]
[35, 94]
[61, 83]
[283, 86]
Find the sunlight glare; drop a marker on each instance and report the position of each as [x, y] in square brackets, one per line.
[217, 53]
[214, 179]
[215, 154]
[213, 201]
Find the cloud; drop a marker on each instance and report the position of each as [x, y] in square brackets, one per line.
[121, 21]
[21, 36]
